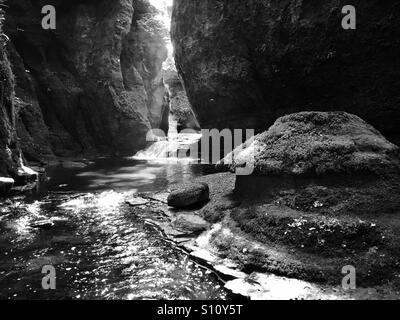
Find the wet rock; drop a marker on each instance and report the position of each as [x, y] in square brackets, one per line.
[43, 224]
[171, 231]
[59, 221]
[204, 257]
[6, 184]
[137, 202]
[25, 175]
[190, 222]
[189, 195]
[159, 197]
[270, 287]
[229, 273]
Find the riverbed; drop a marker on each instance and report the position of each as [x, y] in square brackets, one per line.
[98, 247]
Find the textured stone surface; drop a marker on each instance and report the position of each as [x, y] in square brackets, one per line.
[9, 151]
[180, 106]
[190, 222]
[189, 195]
[319, 143]
[246, 63]
[96, 79]
[33, 134]
[326, 162]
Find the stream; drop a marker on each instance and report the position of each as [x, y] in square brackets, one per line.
[99, 249]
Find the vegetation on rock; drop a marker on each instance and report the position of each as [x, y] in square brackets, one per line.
[318, 143]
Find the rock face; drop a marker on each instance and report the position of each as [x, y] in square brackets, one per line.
[9, 151]
[189, 195]
[34, 136]
[92, 85]
[246, 63]
[180, 106]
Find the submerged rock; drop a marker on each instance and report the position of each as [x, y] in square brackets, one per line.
[189, 195]
[43, 224]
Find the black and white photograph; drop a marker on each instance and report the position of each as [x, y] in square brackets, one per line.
[222, 151]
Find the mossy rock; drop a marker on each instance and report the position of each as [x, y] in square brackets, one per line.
[316, 144]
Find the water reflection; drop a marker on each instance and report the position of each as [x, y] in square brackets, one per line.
[121, 174]
[100, 249]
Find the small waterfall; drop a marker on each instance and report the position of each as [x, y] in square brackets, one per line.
[176, 145]
[169, 148]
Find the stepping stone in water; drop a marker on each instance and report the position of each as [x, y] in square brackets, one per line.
[42, 224]
[191, 222]
[137, 202]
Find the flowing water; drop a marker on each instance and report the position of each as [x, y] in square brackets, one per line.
[99, 249]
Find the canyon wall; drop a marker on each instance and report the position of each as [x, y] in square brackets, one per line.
[180, 108]
[92, 86]
[8, 139]
[246, 63]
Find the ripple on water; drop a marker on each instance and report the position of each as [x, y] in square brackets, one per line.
[100, 251]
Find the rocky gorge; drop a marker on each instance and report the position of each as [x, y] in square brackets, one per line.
[323, 195]
[320, 199]
[247, 63]
[97, 78]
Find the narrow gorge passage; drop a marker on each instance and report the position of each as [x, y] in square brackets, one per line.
[78, 221]
[199, 150]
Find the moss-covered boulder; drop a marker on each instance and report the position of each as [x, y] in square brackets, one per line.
[330, 162]
[323, 194]
[320, 143]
